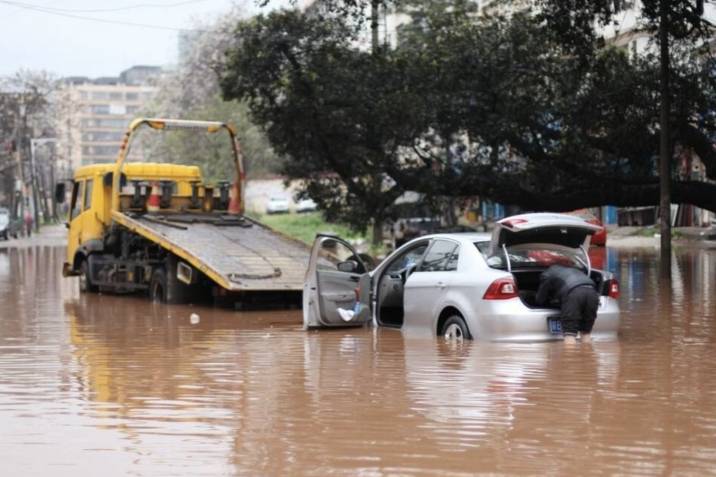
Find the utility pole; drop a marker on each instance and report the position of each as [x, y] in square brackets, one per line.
[664, 145]
[377, 235]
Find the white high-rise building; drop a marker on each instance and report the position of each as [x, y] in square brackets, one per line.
[94, 114]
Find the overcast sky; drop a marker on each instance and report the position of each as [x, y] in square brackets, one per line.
[48, 35]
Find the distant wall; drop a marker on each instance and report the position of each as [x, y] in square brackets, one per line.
[259, 191]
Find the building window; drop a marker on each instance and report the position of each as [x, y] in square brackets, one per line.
[99, 108]
[102, 136]
[132, 97]
[115, 96]
[100, 95]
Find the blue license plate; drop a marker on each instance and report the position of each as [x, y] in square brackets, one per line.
[555, 326]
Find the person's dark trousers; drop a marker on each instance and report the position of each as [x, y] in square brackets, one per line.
[579, 310]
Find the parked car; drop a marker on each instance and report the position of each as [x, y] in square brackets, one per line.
[306, 205]
[9, 227]
[460, 286]
[600, 236]
[277, 205]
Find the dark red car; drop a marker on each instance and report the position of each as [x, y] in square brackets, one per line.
[600, 237]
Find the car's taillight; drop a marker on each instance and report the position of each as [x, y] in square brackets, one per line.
[613, 288]
[356, 290]
[501, 289]
[512, 222]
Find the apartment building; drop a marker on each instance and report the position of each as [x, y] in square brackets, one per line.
[95, 113]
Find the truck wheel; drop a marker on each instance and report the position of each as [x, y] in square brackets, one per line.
[158, 286]
[455, 329]
[86, 285]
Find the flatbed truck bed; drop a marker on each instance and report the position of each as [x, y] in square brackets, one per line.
[237, 253]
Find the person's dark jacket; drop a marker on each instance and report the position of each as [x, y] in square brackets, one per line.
[557, 281]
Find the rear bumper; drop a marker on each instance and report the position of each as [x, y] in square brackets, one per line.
[511, 320]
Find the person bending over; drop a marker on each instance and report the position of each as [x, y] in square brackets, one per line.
[578, 298]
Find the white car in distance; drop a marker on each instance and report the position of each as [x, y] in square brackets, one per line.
[460, 286]
[306, 205]
[277, 205]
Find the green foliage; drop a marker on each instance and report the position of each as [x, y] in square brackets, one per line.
[305, 226]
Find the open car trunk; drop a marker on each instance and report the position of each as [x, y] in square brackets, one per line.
[528, 282]
[528, 244]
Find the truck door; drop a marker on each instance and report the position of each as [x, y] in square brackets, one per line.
[75, 221]
[335, 272]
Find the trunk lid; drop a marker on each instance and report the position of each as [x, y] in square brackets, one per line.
[559, 229]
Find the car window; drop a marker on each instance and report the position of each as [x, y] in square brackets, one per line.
[76, 205]
[88, 194]
[406, 259]
[332, 252]
[442, 257]
[483, 247]
[536, 255]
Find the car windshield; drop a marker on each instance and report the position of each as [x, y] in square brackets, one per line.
[534, 255]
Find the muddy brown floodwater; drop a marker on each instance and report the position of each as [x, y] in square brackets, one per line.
[104, 385]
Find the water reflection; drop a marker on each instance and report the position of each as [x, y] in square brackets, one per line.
[115, 385]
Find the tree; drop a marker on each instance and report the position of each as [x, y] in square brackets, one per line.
[574, 23]
[26, 108]
[338, 113]
[491, 106]
[192, 91]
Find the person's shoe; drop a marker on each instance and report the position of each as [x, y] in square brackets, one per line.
[570, 340]
[586, 338]
[346, 315]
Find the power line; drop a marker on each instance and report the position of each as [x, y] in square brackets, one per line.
[94, 19]
[103, 10]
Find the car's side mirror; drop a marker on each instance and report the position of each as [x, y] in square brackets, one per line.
[60, 192]
[349, 266]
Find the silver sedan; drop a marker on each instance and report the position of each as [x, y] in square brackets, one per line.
[460, 286]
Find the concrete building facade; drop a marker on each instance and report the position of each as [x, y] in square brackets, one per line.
[95, 113]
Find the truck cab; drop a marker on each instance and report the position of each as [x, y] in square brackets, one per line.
[90, 205]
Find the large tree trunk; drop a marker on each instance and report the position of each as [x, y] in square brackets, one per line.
[377, 236]
[664, 147]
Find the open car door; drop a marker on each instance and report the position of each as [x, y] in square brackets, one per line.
[336, 280]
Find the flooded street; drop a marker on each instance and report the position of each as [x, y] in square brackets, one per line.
[104, 385]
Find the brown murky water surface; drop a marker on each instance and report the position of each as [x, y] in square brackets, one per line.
[102, 385]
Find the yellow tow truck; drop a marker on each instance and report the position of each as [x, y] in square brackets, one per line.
[160, 228]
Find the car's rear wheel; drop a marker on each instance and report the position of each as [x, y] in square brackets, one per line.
[455, 329]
